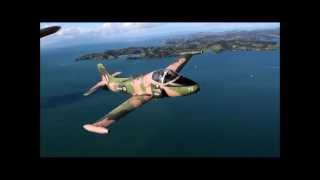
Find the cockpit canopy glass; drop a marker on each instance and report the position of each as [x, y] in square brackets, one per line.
[164, 75]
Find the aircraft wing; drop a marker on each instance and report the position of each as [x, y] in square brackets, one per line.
[123, 109]
[181, 61]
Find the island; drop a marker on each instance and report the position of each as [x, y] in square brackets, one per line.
[262, 40]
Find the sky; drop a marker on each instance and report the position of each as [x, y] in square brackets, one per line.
[72, 34]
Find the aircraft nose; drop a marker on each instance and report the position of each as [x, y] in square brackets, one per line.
[193, 89]
[196, 88]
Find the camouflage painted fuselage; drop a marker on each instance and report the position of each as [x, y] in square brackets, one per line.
[146, 85]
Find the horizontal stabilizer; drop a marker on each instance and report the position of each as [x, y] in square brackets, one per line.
[94, 88]
[116, 74]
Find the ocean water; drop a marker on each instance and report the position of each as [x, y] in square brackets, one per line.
[236, 113]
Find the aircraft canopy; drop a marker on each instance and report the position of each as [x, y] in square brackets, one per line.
[164, 75]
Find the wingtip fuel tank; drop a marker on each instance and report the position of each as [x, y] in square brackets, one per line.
[191, 52]
[49, 30]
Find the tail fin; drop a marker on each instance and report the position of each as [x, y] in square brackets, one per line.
[105, 77]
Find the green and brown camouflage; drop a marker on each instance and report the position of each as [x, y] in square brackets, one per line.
[156, 84]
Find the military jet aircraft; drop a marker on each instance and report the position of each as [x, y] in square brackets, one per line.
[143, 88]
[49, 30]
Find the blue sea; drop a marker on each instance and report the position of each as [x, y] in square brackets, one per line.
[236, 113]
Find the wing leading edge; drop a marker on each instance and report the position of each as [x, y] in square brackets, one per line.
[123, 109]
[181, 61]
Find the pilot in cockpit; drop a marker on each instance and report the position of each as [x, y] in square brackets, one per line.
[164, 75]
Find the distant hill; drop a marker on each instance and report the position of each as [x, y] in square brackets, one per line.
[258, 40]
[255, 35]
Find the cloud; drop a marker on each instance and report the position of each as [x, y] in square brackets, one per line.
[240, 26]
[74, 31]
[124, 27]
[84, 33]
[106, 30]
